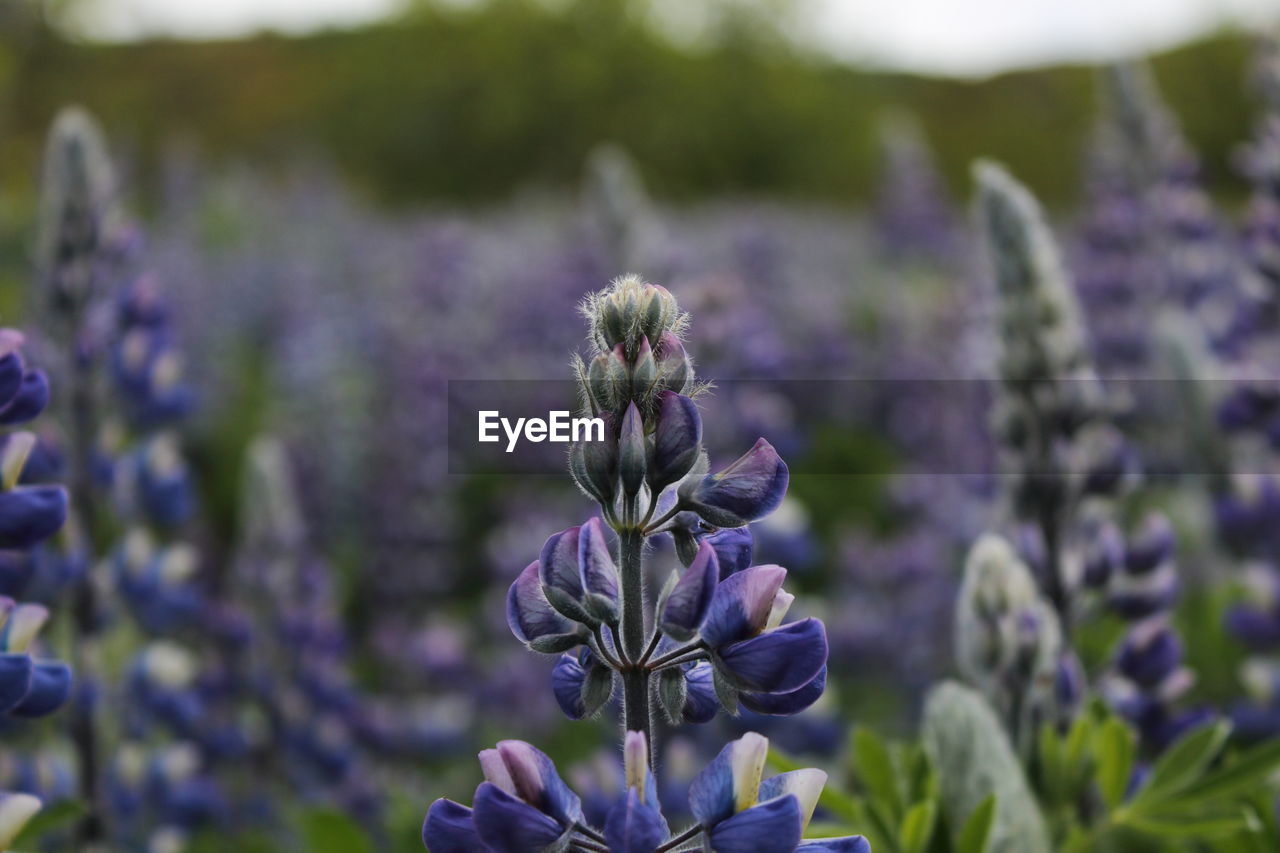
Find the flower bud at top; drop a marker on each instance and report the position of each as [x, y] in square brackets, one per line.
[600, 385]
[644, 372]
[675, 368]
[630, 310]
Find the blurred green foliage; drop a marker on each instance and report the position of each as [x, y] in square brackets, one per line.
[476, 101]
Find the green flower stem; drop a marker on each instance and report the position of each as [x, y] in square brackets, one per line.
[636, 696]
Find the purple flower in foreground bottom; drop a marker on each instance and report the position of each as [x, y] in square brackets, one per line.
[524, 807]
[741, 814]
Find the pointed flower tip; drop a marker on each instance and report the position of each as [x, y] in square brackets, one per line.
[635, 754]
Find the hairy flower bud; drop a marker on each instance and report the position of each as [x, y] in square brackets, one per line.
[632, 451]
[630, 310]
[594, 464]
[677, 439]
[675, 368]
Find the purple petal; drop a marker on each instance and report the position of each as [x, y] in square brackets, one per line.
[528, 613]
[771, 827]
[566, 682]
[741, 605]
[30, 401]
[16, 673]
[1153, 545]
[450, 828]
[677, 437]
[508, 825]
[599, 574]
[50, 687]
[786, 704]
[734, 546]
[749, 489]
[558, 563]
[1148, 655]
[701, 703]
[778, 661]
[691, 597]
[11, 372]
[731, 781]
[634, 826]
[31, 514]
[536, 781]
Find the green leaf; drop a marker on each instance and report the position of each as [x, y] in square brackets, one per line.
[917, 827]
[1052, 764]
[1115, 761]
[1250, 769]
[327, 831]
[976, 831]
[1185, 761]
[46, 820]
[875, 768]
[1189, 824]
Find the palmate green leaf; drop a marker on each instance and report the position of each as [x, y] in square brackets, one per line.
[1186, 824]
[328, 831]
[976, 831]
[1184, 762]
[917, 827]
[1115, 749]
[1237, 777]
[875, 769]
[48, 819]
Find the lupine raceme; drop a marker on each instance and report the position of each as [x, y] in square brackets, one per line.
[715, 635]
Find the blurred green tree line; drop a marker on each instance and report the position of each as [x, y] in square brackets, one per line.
[470, 103]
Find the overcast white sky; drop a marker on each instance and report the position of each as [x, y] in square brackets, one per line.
[956, 36]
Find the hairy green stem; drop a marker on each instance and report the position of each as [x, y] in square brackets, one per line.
[637, 713]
